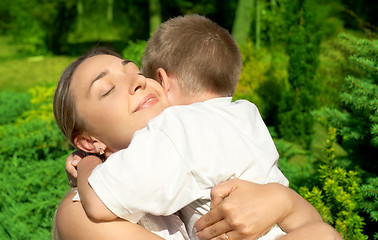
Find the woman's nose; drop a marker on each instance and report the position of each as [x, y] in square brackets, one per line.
[139, 83]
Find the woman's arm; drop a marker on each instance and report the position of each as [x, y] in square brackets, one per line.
[73, 224]
[246, 210]
[92, 204]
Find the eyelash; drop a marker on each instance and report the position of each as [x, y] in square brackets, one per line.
[108, 92]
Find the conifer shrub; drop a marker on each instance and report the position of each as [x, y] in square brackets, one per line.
[338, 198]
[357, 119]
[370, 203]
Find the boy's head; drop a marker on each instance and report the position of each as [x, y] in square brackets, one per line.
[198, 53]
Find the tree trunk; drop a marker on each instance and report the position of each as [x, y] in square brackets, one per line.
[155, 14]
[258, 23]
[109, 13]
[80, 13]
[243, 21]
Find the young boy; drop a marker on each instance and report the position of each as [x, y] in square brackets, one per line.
[173, 163]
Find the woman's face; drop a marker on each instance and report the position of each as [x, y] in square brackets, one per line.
[114, 99]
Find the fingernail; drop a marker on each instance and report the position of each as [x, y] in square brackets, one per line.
[75, 161]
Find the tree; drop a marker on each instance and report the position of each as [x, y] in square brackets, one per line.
[155, 14]
[339, 196]
[258, 23]
[296, 121]
[41, 26]
[243, 21]
[357, 121]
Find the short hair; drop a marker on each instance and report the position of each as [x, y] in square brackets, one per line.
[199, 53]
[66, 116]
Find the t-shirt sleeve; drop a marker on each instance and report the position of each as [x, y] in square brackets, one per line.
[149, 176]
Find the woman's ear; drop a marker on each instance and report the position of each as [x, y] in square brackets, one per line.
[89, 144]
[164, 79]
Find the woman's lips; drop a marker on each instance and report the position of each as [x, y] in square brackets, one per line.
[148, 101]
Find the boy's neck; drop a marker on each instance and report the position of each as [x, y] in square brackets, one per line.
[184, 99]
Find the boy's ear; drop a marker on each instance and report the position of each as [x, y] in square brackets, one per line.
[89, 144]
[164, 79]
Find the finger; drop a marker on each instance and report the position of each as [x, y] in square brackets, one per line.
[75, 160]
[71, 170]
[73, 183]
[221, 237]
[232, 235]
[213, 216]
[214, 231]
[68, 160]
[220, 191]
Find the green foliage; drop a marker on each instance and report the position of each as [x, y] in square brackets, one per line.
[243, 21]
[357, 122]
[333, 68]
[370, 204]
[339, 196]
[296, 121]
[12, 105]
[32, 176]
[30, 190]
[370, 193]
[39, 26]
[34, 133]
[134, 51]
[297, 164]
[262, 79]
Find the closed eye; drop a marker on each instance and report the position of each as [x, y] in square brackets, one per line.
[108, 92]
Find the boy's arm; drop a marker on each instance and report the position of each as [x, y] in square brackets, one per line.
[248, 210]
[92, 204]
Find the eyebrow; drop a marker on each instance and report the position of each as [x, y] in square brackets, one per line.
[101, 75]
[124, 62]
[104, 73]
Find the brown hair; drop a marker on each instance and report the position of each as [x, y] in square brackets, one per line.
[65, 113]
[200, 54]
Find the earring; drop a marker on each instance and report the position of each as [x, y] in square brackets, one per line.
[101, 152]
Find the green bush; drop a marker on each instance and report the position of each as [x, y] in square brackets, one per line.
[29, 193]
[134, 51]
[262, 79]
[338, 198]
[34, 133]
[297, 164]
[12, 105]
[32, 176]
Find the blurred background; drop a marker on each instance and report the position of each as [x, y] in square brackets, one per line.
[309, 65]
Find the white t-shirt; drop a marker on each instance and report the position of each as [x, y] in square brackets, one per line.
[174, 161]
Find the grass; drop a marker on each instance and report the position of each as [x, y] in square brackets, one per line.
[19, 72]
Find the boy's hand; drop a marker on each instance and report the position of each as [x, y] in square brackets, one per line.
[71, 167]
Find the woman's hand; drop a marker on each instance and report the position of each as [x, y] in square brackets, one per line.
[243, 210]
[246, 210]
[71, 167]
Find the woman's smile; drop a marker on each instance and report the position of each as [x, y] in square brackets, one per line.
[147, 102]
